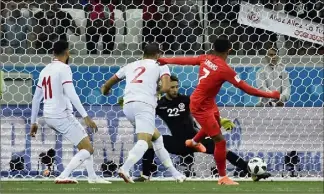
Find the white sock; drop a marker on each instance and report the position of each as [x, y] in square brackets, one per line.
[164, 155]
[76, 161]
[89, 165]
[135, 154]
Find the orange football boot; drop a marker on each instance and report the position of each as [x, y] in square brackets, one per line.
[198, 147]
[227, 181]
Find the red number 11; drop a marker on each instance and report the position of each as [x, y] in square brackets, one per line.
[48, 89]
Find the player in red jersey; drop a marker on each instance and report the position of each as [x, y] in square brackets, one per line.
[213, 72]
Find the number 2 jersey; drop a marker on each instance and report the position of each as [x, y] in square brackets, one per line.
[141, 80]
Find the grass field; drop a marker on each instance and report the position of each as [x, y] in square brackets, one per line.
[163, 187]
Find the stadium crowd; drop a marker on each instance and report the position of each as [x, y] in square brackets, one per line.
[32, 26]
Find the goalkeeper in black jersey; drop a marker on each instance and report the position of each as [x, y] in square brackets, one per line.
[173, 109]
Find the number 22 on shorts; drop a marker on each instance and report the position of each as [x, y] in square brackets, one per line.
[139, 71]
[206, 73]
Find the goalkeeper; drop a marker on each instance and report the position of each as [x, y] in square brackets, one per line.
[173, 109]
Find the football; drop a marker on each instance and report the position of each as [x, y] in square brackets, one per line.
[257, 166]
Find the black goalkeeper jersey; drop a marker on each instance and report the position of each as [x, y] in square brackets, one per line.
[176, 115]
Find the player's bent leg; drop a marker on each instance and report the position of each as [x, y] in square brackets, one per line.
[73, 131]
[237, 161]
[209, 144]
[212, 128]
[134, 155]
[84, 153]
[147, 165]
[85, 144]
[194, 142]
[220, 159]
[164, 156]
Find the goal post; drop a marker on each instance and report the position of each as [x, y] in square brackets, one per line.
[289, 138]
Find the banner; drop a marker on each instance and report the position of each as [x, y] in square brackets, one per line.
[282, 23]
[264, 132]
[306, 84]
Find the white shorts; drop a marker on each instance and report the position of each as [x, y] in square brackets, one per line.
[69, 127]
[141, 115]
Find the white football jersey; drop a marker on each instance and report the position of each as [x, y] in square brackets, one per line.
[51, 81]
[141, 80]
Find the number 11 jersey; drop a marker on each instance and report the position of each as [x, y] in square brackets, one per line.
[51, 80]
[141, 80]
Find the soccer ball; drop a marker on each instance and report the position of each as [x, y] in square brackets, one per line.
[257, 166]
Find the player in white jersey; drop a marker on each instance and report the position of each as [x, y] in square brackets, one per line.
[140, 101]
[56, 89]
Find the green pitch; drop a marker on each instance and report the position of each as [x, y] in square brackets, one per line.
[163, 187]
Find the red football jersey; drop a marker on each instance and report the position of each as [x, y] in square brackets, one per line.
[213, 72]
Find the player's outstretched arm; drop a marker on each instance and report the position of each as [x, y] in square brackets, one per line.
[255, 92]
[37, 98]
[180, 61]
[231, 76]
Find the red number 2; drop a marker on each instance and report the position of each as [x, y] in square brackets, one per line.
[141, 71]
[48, 89]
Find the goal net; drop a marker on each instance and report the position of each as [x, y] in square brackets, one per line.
[104, 35]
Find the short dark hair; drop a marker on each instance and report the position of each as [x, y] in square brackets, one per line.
[174, 78]
[222, 45]
[60, 47]
[152, 49]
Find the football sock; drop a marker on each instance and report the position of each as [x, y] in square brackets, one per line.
[236, 160]
[135, 154]
[147, 162]
[76, 161]
[89, 166]
[220, 157]
[163, 155]
[199, 136]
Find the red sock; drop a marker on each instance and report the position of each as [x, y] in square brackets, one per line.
[199, 136]
[220, 157]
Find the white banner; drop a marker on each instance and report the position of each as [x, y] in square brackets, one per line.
[260, 17]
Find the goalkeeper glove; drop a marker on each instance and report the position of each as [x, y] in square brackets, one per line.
[121, 101]
[227, 124]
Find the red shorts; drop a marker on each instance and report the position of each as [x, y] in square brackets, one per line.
[209, 120]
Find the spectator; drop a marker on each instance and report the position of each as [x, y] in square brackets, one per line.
[273, 77]
[187, 27]
[155, 23]
[100, 22]
[51, 24]
[15, 28]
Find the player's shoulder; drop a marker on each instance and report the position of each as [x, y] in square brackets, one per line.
[162, 101]
[184, 98]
